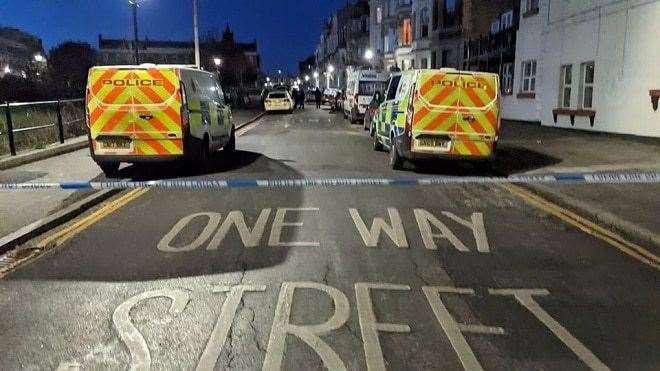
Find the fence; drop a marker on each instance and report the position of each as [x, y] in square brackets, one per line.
[34, 125]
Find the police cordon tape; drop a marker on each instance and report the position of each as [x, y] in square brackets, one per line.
[573, 178]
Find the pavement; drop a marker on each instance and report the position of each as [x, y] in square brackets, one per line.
[56, 163]
[630, 210]
[452, 277]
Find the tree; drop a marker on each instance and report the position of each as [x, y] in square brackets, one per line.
[68, 64]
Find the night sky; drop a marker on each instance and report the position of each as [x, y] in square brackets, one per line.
[287, 30]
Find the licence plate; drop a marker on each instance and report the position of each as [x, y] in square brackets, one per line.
[434, 142]
[115, 142]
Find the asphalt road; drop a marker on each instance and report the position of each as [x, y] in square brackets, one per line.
[443, 277]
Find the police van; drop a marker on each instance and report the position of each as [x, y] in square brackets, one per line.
[154, 113]
[441, 113]
[360, 88]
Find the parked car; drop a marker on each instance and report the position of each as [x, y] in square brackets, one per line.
[329, 95]
[279, 100]
[431, 114]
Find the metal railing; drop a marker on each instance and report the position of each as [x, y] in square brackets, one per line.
[32, 124]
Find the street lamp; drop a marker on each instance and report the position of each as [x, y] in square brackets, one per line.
[7, 69]
[306, 78]
[217, 61]
[331, 69]
[369, 55]
[134, 5]
[316, 77]
[38, 58]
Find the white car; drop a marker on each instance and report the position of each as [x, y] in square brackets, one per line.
[279, 100]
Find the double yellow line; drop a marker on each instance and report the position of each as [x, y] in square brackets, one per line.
[629, 248]
[58, 238]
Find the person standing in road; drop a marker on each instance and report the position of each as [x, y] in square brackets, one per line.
[301, 96]
[317, 97]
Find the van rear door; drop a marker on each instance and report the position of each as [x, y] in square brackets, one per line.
[456, 113]
[135, 111]
[478, 123]
[436, 101]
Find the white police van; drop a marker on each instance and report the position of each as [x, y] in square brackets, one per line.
[360, 88]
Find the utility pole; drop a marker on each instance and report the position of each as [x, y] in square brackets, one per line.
[134, 5]
[195, 26]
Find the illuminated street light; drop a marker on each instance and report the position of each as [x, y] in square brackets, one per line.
[316, 75]
[267, 79]
[7, 69]
[39, 58]
[306, 78]
[369, 55]
[331, 68]
[217, 61]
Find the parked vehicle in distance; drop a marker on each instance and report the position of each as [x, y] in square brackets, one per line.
[372, 111]
[279, 100]
[154, 113]
[329, 95]
[360, 88]
[430, 114]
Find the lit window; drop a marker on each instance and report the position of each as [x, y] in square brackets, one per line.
[406, 32]
[528, 77]
[565, 86]
[587, 85]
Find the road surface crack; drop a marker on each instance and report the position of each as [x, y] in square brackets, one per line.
[416, 270]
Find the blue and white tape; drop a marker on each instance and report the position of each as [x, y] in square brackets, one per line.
[572, 178]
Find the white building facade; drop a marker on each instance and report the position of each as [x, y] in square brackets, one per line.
[591, 65]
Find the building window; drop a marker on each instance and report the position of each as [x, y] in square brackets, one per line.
[495, 27]
[565, 86]
[424, 22]
[406, 32]
[391, 7]
[451, 13]
[379, 15]
[436, 13]
[434, 60]
[425, 63]
[587, 85]
[507, 78]
[528, 77]
[445, 58]
[531, 7]
[506, 20]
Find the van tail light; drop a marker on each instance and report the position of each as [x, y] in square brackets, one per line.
[88, 96]
[410, 114]
[185, 119]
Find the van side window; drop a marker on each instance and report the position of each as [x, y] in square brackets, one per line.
[394, 85]
[218, 89]
[193, 85]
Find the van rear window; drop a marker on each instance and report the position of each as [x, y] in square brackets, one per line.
[370, 87]
[277, 95]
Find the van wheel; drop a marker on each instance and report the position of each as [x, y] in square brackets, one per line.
[231, 144]
[378, 146]
[109, 168]
[396, 162]
[203, 153]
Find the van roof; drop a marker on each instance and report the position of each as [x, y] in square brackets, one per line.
[151, 65]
